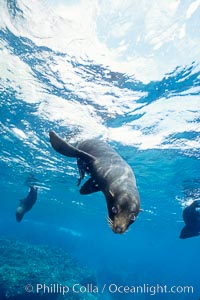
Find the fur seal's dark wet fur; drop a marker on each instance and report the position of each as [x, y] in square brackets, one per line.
[191, 217]
[26, 204]
[109, 174]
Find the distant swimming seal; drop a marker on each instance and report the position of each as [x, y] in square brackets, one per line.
[27, 203]
[109, 174]
[191, 217]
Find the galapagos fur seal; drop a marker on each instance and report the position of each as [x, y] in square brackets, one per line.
[108, 173]
[191, 217]
[27, 203]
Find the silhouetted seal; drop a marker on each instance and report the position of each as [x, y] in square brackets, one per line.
[27, 203]
[191, 217]
[109, 173]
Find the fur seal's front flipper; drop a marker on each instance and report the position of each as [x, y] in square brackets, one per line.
[89, 187]
[66, 149]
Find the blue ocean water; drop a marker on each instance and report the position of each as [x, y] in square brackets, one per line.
[127, 73]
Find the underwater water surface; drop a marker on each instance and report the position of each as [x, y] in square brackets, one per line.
[126, 72]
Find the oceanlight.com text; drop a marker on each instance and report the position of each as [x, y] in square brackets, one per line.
[112, 288]
[150, 289]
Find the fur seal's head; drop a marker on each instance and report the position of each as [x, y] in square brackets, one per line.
[122, 210]
[19, 213]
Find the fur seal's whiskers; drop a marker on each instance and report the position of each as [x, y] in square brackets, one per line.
[110, 222]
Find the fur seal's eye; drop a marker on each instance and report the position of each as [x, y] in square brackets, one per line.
[114, 210]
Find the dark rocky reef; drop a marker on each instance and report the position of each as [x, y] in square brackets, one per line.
[23, 266]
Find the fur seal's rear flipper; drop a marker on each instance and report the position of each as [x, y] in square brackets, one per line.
[66, 149]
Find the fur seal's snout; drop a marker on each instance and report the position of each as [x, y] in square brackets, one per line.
[119, 229]
[120, 224]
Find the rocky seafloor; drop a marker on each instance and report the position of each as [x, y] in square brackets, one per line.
[38, 272]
